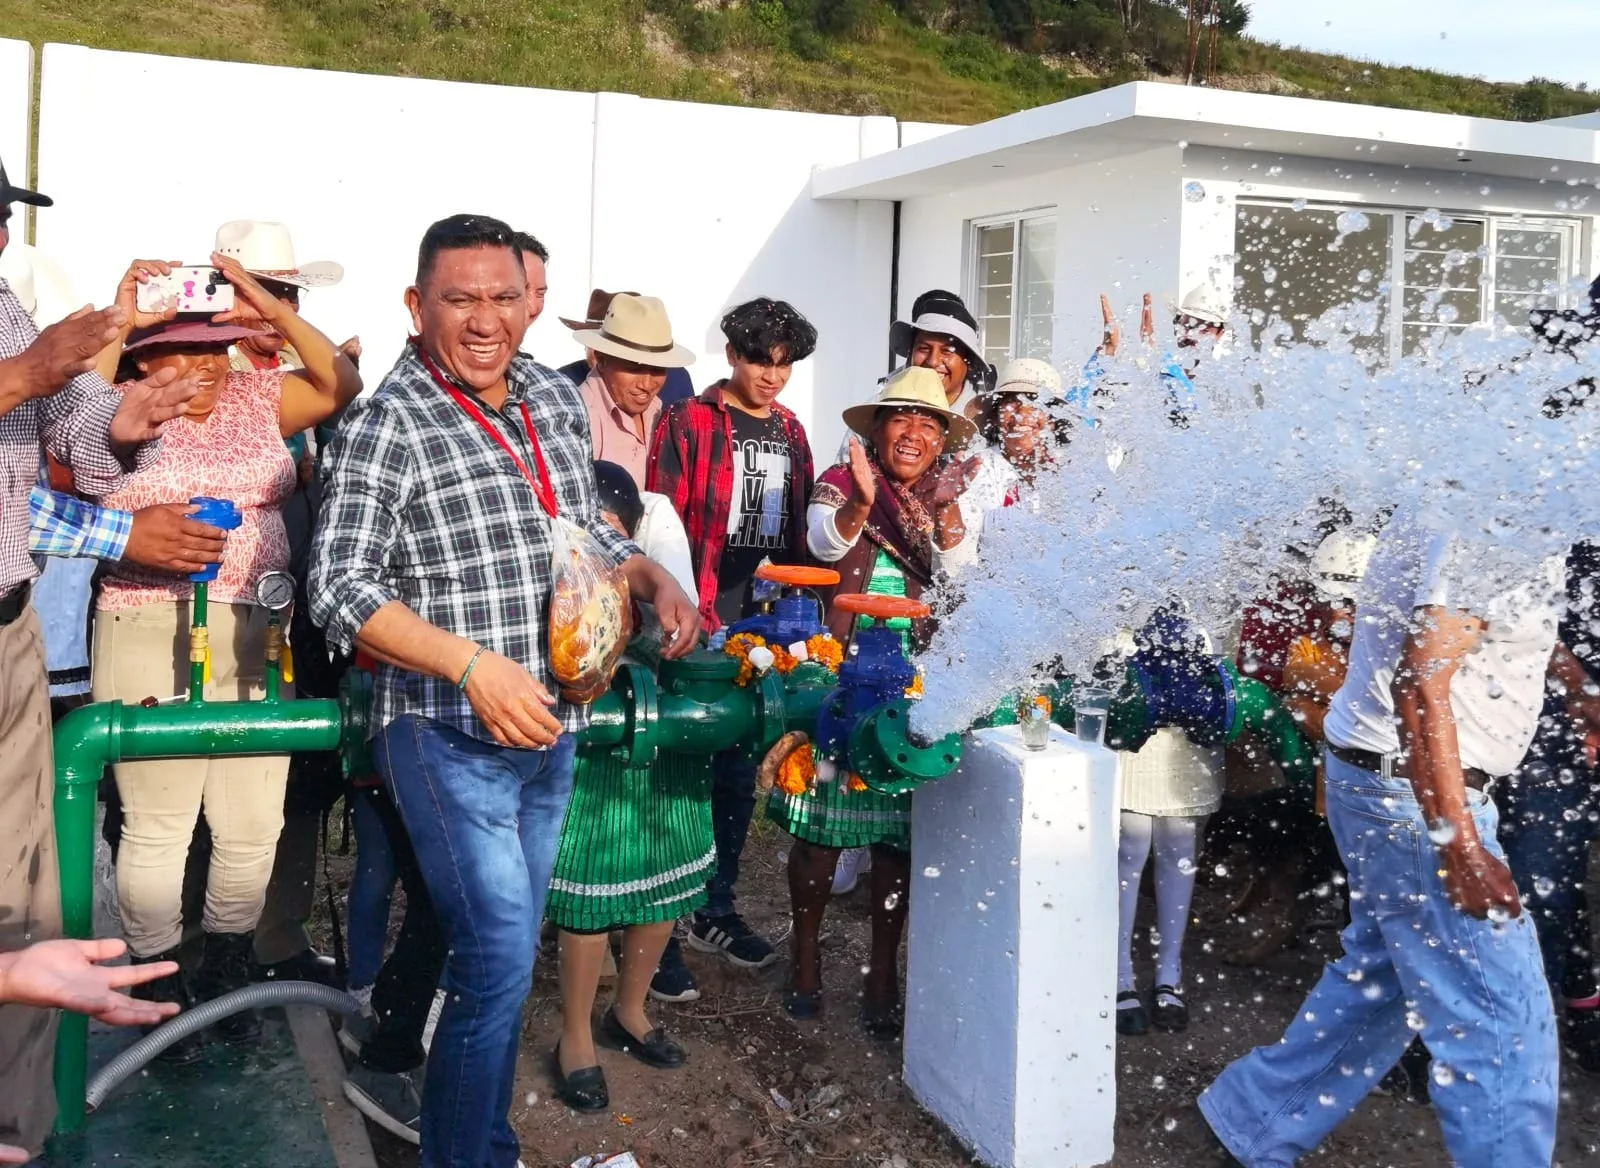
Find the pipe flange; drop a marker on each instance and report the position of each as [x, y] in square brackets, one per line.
[889, 760]
[769, 699]
[641, 704]
[355, 705]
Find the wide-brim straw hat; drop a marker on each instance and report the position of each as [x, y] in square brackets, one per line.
[636, 329]
[267, 253]
[913, 388]
[187, 333]
[1028, 375]
[595, 314]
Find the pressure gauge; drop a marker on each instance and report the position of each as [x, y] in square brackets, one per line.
[275, 591]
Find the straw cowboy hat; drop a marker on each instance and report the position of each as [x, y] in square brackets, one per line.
[266, 252]
[636, 329]
[1028, 375]
[913, 388]
[595, 315]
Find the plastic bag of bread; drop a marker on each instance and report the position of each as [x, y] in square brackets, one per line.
[590, 613]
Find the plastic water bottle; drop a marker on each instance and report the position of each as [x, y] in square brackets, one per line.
[219, 513]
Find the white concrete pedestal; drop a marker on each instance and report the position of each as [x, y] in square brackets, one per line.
[1010, 1038]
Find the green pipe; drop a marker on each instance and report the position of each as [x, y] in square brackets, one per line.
[199, 644]
[91, 738]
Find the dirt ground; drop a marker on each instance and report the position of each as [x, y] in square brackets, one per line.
[762, 1091]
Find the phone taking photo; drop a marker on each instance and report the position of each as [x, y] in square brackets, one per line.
[186, 290]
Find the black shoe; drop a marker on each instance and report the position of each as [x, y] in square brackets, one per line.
[172, 988]
[225, 967]
[1167, 1010]
[308, 965]
[655, 1049]
[1407, 1080]
[883, 1021]
[584, 1089]
[733, 939]
[802, 1007]
[673, 982]
[1131, 1020]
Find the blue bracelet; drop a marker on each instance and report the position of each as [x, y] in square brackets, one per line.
[462, 684]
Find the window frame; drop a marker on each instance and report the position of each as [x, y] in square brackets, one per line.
[973, 270]
[1574, 230]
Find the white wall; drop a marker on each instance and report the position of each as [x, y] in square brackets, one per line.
[701, 205]
[382, 158]
[16, 82]
[1117, 232]
[732, 219]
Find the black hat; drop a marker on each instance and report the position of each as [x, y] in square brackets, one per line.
[943, 313]
[11, 194]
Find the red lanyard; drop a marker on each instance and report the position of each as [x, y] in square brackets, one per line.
[542, 489]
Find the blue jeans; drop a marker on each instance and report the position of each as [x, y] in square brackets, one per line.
[371, 887]
[1547, 822]
[1474, 990]
[484, 821]
[733, 802]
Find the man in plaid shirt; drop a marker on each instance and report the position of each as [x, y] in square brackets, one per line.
[433, 554]
[737, 467]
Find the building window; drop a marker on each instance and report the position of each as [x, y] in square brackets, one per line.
[1404, 274]
[1012, 290]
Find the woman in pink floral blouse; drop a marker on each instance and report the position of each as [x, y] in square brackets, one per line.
[229, 445]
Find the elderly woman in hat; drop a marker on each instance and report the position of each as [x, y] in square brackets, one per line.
[887, 521]
[230, 445]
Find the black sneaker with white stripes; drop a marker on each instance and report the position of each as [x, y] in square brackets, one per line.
[732, 938]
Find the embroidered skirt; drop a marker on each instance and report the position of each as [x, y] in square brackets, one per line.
[636, 847]
[831, 818]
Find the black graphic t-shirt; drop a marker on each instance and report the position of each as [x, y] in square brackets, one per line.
[758, 517]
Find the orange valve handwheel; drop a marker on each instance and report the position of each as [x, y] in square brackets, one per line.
[881, 607]
[798, 575]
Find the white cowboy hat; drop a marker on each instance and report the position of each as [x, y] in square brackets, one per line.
[1204, 305]
[636, 329]
[39, 283]
[1031, 376]
[913, 388]
[1340, 562]
[266, 252]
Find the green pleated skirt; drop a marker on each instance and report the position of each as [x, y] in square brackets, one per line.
[636, 847]
[831, 818]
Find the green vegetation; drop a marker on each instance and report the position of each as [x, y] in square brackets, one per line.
[921, 60]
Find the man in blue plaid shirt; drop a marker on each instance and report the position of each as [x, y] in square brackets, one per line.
[433, 554]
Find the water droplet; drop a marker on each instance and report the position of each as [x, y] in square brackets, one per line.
[1169, 1124]
[1543, 885]
[1193, 191]
[982, 906]
[1442, 1074]
[1415, 1021]
[931, 872]
[891, 901]
[1442, 832]
[1350, 222]
[1326, 1100]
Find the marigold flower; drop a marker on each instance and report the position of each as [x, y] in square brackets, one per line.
[796, 772]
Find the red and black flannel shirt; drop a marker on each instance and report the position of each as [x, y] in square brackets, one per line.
[701, 485]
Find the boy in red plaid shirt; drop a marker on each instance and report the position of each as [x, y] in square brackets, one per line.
[737, 467]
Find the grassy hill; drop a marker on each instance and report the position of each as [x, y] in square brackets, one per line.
[919, 60]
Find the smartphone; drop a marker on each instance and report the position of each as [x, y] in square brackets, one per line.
[186, 290]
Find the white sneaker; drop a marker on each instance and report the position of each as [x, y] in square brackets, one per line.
[847, 874]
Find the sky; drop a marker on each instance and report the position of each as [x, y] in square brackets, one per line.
[1494, 39]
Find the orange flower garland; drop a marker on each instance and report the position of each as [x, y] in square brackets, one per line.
[821, 648]
[796, 772]
[856, 784]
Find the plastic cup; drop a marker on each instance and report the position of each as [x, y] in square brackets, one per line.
[1033, 719]
[1090, 706]
[219, 513]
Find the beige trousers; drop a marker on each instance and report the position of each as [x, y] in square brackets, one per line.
[143, 652]
[30, 881]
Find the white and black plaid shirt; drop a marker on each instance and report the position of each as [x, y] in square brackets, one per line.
[423, 507]
[71, 424]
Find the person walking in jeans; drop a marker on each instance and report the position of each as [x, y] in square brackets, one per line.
[434, 556]
[1446, 679]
